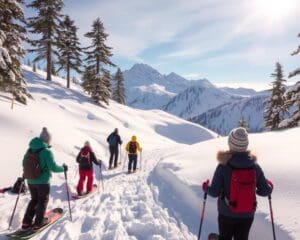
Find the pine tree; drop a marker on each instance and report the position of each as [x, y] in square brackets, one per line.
[243, 123]
[276, 108]
[98, 57]
[88, 80]
[69, 48]
[34, 67]
[297, 71]
[46, 25]
[12, 33]
[102, 89]
[119, 89]
[98, 53]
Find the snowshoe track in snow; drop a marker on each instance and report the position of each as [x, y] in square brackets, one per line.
[127, 209]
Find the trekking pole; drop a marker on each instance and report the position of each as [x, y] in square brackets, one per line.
[124, 164]
[101, 177]
[202, 214]
[141, 158]
[67, 186]
[272, 218]
[17, 200]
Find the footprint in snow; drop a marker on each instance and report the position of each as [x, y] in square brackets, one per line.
[91, 116]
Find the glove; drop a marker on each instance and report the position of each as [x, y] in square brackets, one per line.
[270, 183]
[65, 167]
[205, 185]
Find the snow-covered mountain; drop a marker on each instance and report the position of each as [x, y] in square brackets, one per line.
[146, 88]
[227, 116]
[198, 99]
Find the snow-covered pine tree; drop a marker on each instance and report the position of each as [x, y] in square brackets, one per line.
[102, 90]
[12, 34]
[297, 71]
[69, 48]
[292, 99]
[119, 89]
[98, 57]
[46, 25]
[88, 80]
[276, 108]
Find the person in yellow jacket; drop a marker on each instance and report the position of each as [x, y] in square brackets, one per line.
[132, 149]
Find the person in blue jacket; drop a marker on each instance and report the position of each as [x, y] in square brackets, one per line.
[234, 224]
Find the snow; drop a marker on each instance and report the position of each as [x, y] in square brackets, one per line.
[163, 199]
[181, 172]
[128, 208]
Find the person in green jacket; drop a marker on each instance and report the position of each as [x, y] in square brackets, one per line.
[40, 187]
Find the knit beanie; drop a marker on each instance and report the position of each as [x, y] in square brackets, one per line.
[238, 140]
[45, 135]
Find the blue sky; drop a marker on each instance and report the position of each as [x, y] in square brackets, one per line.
[229, 42]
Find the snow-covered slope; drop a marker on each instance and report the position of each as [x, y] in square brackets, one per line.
[180, 173]
[225, 117]
[245, 92]
[146, 88]
[198, 99]
[128, 208]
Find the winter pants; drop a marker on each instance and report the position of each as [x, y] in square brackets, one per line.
[114, 154]
[83, 174]
[132, 161]
[38, 203]
[236, 228]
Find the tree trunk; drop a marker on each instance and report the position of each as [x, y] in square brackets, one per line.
[97, 65]
[49, 55]
[68, 75]
[12, 101]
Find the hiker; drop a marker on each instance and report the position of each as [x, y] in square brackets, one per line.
[39, 157]
[85, 158]
[114, 140]
[19, 186]
[237, 169]
[132, 149]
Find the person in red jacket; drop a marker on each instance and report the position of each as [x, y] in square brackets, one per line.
[85, 158]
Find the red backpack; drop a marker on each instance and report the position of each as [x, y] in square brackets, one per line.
[85, 160]
[242, 195]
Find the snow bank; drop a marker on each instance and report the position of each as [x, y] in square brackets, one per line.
[183, 171]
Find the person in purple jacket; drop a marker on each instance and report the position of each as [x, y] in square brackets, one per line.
[235, 224]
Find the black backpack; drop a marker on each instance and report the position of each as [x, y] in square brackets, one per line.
[19, 186]
[31, 167]
[132, 147]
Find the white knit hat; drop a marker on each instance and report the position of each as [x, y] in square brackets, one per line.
[238, 140]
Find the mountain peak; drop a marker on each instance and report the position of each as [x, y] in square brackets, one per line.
[142, 67]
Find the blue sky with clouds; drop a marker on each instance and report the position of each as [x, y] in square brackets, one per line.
[229, 42]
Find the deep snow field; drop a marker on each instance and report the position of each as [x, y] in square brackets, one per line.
[163, 199]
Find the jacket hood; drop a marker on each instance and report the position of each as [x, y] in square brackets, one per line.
[133, 138]
[237, 159]
[37, 143]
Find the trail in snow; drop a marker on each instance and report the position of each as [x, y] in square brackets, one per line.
[127, 209]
